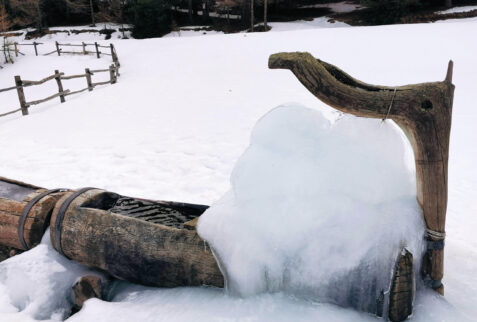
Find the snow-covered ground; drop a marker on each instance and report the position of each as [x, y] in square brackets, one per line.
[320, 22]
[177, 121]
[70, 34]
[343, 6]
[458, 9]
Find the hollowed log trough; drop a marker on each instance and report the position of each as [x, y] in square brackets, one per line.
[155, 243]
[25, 212]
[148, 242]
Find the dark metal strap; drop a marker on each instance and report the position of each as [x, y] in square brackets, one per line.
[26, 211]
[432, 283]
[435, 244]
[60, 216]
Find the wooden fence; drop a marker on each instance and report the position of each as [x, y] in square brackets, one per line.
[20, 84]
[9, 48]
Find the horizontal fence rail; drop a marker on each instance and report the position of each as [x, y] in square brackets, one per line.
[20, 84]
[8, 48]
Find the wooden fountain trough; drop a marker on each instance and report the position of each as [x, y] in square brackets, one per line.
[25, 212]
[148, 242]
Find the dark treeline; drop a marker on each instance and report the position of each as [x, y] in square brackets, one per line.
[152, 18]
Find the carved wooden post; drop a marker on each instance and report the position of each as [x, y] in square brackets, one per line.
[423, 111]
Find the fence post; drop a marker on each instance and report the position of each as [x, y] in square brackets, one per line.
[84, 48]
[57, 48]
[112, 75]
[116, 65]
[88, 79]
[21, 95]
[16, 48]
[112, 52]
[36, 50]
[60, 85]
[114, 55]
[97, 50]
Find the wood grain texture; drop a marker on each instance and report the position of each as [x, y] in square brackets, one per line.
[401, 295]
[36, 222]
[423, 111]
[132, 249]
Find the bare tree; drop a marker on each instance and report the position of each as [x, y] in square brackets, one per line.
[5, 24]
[5, 21]
[27, 12]
[81, 7]
[265, 12]
[251, 15]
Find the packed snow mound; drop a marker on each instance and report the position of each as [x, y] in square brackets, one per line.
[318, 209]
[36, 285]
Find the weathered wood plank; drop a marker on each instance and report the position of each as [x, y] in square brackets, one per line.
[48, 98]
[29, 82]
[36, 221]
[73, 76]
[402, 289]
[11, 112]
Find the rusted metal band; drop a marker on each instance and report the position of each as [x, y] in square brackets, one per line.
[60, 216]
[435, 244]
[26, 211]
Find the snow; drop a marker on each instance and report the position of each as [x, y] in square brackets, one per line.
[180, 117]
[321, 22]
[458, 9]
[343, 6]
[71, 36]
[313, 203]
[36, 285]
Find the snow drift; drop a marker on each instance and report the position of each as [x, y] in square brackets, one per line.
[316, 209]
[37, 284]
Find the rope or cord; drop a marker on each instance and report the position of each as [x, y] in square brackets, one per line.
[435, 235]
[390, 105]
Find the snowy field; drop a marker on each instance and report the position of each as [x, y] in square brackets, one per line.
[458, 9]
[173, 128]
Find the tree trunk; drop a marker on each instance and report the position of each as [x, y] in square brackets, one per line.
[265, 12]
[252, 18]
[40, 16]
[190, 10]
[448, 3]
[423, 111]
[206, 13]
[92, 12]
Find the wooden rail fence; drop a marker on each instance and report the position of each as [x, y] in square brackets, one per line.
[111, 50]
[20, 84]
